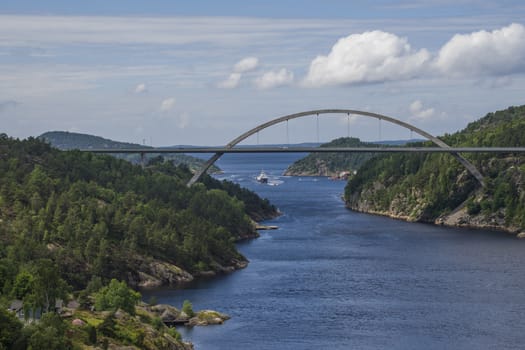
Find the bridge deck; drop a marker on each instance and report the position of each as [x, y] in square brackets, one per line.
[312, 150]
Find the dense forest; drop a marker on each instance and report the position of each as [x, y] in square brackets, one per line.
[436, 188]
[331, 164]
[71, 140]
[70, 221]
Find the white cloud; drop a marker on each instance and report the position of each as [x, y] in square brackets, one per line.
[274, 79]
[140, 88]
[501, 51]
[379, 56]
[231, 82]
[167, 104]
[418, 112]
[246, 64]
[243, 66]
[368, 57]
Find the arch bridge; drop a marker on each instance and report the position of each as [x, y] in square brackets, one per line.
[442, 145]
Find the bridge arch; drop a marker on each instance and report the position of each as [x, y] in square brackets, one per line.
[468, 165]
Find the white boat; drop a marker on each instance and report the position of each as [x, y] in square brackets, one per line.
[262, 177]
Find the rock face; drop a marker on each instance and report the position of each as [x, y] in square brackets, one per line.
[207, 317]
[166, 273]
[154, 273]
[402, 206]
[412, 205]
[172, 316]
[151, 273]
[492, 221]
[78, 322]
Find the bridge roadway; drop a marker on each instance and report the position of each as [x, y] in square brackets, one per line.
[310, 150]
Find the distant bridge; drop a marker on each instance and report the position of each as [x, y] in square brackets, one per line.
[264, 149]
[229, 148]
[468, 165]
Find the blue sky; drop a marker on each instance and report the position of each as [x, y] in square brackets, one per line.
[257, 8]
[202, 72]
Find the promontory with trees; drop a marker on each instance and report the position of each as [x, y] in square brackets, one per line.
[331, 164]
[83, 228]
[436, 188]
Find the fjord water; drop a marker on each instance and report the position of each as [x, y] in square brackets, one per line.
[330, 278]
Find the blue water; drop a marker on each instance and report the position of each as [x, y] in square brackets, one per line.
[330, 278]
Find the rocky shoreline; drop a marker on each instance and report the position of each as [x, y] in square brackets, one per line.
[171, 316]
[459, 218]
[154, 273]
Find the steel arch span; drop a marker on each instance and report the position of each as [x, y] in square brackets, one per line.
[468, 165]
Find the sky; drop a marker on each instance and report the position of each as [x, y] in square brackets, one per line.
[170, 72]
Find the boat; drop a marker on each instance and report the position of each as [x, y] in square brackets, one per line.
[262, 177]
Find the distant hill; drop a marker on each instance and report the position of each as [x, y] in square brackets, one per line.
[65, 140]
[398, 142]
[331, 164]
[271, 145]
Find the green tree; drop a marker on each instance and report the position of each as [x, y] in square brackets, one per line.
[187, 308]
[10, 329]
[49, 333]
[24, 284]
[48, 286]
[117, 295]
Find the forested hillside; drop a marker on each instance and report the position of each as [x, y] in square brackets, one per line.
[331, 164]
[73, 222]
[436, 188]
[100, 216]
[71, 140]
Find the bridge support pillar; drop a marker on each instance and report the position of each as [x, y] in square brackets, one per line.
[142, 160]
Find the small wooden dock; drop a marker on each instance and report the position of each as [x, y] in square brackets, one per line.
[266, 227]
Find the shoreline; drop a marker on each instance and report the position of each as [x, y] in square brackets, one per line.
[162, 274]
[442, 221]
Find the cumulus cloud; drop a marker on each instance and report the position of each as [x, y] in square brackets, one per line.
[378, 56]
[243, 66]
[274, 79]
[140, 88]
[167, 104]
[501, 51]
[246, 64]
[373, 56]
[231, 82]
[418, 112]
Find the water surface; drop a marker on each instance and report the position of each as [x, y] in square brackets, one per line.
[330, 278]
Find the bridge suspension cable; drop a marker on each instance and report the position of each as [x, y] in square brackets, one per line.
[379, 129]
[348, 125]
[317, 127]
[287, 133]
